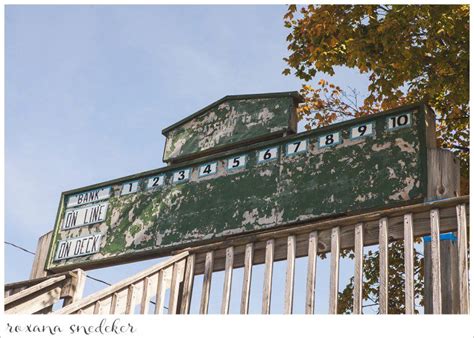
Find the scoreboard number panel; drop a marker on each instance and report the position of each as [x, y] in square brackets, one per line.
[237, 162]
[182, 175]
[208, 169]
[330, 140]
[267, 155]
[362, 130]
[296, 147]
[399, 121]
[129, 188]
[155, 182]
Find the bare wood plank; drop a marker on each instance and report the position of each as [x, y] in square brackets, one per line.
[130, 299]
[206, 284]
[35, 302]
[74, 287]
[245, 299]
[144, 303]
[290, 275]
[358, 267]
[229, 267]
[176, 279]
[97, 307]
[311, 276]
[188, 285]
[409, 271]
[268, 276]
[160, 292]
[113, 303]
[334, 273]
[463, 259]
[436, 262]
[383, 256]
[34, 289]
[39, 262]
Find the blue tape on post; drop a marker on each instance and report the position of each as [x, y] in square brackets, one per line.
[443, 237]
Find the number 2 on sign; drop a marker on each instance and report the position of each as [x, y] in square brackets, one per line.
[156, 181]
[268, 154]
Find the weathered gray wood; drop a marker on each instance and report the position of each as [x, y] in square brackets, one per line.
[463, 259]
[74, 287]
[144, 303]
[383, 256]
[358, 267]
[409, 271]
[130, 299]
[206, 284]
[188, 285]
[176, 279]
[436, 262]
[246, 284]
[35, 289]
[113, 303]
[229, 267]
[444, 178]
[39, 262]
[311, 273]
[160, 292]
[334, 273]
[35, 303]
[97, 307]
[290, 275]
[267, 277]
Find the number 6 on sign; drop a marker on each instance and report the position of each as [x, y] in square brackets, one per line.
[268, 154]
[181, 175]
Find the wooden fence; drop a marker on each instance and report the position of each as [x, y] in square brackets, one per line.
[176, 275]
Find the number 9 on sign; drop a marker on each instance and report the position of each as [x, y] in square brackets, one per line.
[362, 130]
[268, 154]
[181, 175]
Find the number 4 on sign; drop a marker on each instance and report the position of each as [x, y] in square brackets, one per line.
[208, 169]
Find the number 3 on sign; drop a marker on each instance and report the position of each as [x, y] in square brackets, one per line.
[399, 121]
[181, 175]
[329, 140]
[268, 154]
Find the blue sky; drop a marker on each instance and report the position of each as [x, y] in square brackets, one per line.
[89, 89]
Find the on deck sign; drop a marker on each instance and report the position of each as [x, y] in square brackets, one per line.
[76, 247]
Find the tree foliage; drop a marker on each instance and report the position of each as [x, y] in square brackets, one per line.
[410, 53]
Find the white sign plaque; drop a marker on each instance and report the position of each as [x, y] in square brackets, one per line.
[80, 246]
[86, 215]
[88, 197]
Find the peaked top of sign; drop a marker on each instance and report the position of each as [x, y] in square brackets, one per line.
[232, 121]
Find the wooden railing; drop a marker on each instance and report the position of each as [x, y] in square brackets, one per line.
[177, 274]
[381, 227]
[40, 294]
[123, 297]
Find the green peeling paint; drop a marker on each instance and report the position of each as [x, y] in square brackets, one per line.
[385, 169]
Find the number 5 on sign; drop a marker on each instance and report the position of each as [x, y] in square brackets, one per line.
[237, 162]
[181, 175]
[268, 154]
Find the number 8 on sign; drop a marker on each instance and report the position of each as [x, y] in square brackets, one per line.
[329, 140]
[268, 154]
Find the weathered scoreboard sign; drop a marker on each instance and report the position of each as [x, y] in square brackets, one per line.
[358, 165]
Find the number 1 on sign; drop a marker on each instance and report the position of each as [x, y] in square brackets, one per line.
[129, 188]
